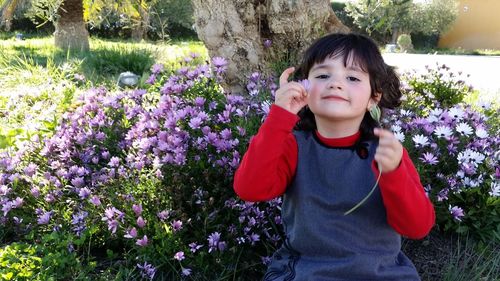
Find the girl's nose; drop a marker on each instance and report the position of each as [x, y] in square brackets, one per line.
[335, 83]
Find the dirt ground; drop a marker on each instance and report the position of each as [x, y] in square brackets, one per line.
[430, 255]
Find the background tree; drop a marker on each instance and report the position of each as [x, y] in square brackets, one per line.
[382, 16]
[389, 18]
[70, 27]
[251, 34]
[7, 13]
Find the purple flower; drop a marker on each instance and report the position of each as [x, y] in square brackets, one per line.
[16, 203]
[44, 218]
[456, 212]
[429, 158]
[114, 162]
[4, 190]
[30, 169]
[163, 215]
[219, 62]
[147, 270]
[268, 43]
[266, 260]
[194, 247]
[195, 123]
[179, 256]
[141, 222]
[95, 200]
[35, 191]
[142, 242]
[186, 271]
[214, 242]
[137, 209]
[78, 182]
[84, 193]
[306, 84]
[131, 233]
[157, 68]
[7, 206]
[176, 225]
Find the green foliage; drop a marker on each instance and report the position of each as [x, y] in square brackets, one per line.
[394, 16]
[381, 15]
[43, 11]
[472, 261]
[436, 85]
[433, 17]
[19, 261]
[117, 59]
[404, 42]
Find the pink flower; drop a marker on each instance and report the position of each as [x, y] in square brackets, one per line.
[141, 222]
[137, 209]
[131, 233]
[179, 256]
[142, 242]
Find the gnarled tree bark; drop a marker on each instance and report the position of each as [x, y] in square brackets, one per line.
[237, 30]
[70, 27]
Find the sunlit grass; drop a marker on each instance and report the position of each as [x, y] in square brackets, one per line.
[38, 81]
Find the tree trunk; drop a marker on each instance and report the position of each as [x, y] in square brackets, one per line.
[237, 30]
[70, 27]
[140, 30]
[8, 14]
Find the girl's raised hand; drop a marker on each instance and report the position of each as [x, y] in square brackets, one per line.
[389, 151]
[291, 95]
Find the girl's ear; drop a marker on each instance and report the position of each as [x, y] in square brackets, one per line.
[374, 100]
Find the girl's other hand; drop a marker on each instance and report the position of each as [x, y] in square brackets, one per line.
[389, 151]
[291, 95]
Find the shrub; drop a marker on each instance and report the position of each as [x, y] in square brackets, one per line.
[146, 175]
[393, 16]
[437, 84]
[455, 150]
[404, 42]
[138, 184]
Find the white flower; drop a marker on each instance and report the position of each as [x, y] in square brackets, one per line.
[405, 112]
[484, 104]
[420, 140]
[443, 131]
[470, 156]
[481, 133]
[400, 136]
[495, 189]
[436, 112]
[432, 118]
[464, 128]
[456, 113]
[396, 128]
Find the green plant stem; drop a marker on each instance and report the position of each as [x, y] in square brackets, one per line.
[368, 195]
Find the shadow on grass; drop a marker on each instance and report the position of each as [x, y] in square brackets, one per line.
[101, 65]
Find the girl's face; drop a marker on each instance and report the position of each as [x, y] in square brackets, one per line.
[339, 93]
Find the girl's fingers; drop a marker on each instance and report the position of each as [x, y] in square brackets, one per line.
[284, 76]
[292, 89]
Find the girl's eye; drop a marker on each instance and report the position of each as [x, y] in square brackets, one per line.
[322, 76]
[352, 79]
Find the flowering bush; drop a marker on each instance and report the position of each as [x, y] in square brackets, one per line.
[455, 150]
[146, 175]
[138, 184]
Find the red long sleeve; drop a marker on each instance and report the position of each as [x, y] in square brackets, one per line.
[269, 165]
[409, 210]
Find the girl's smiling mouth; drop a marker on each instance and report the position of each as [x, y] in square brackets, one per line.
[334, 97]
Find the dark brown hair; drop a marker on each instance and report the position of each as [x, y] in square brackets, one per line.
[364, 53]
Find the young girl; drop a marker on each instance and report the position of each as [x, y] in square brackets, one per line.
[320, 148]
